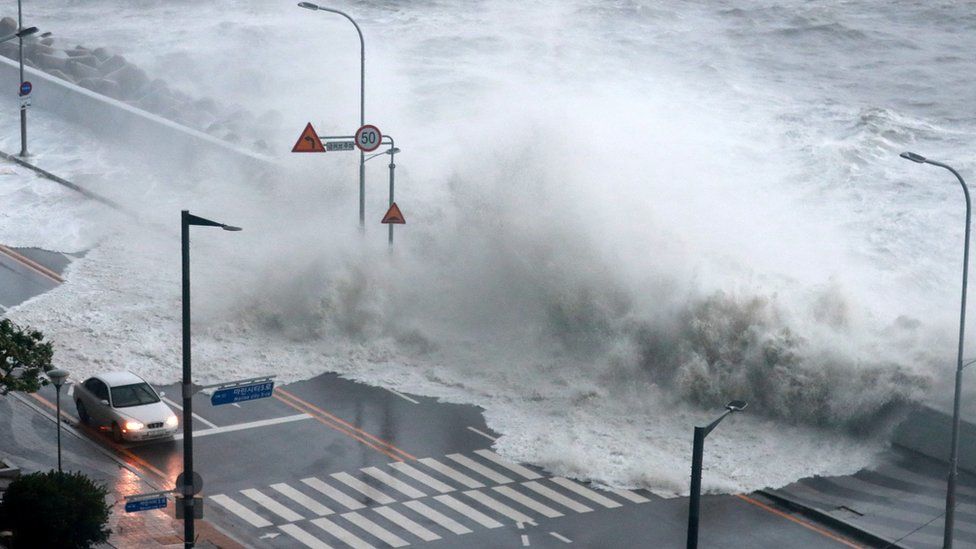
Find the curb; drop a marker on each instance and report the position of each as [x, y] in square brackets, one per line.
[855, 531]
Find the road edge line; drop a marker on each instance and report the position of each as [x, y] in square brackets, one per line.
[856, 532]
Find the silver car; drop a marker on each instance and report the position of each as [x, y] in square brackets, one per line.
[123, 403]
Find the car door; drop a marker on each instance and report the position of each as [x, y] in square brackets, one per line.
[99, 412]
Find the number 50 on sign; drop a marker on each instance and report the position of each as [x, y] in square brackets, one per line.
[368, 138]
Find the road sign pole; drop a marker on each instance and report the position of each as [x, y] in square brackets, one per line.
[187, 390]
[392, 168]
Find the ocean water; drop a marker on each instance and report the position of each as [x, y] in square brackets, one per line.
[620, 215]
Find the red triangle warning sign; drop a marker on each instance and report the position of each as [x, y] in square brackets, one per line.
[393, 215]
[308, 142]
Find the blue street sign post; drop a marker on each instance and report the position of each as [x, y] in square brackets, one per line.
[146, 504]
[242, 393]
[25, 88]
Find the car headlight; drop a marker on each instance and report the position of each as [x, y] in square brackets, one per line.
[171, 421]
[133, 425]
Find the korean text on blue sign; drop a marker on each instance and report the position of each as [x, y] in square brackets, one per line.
[243, 393]
[145, 504]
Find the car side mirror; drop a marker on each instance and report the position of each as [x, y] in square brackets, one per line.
[162, 394]
[103, 402]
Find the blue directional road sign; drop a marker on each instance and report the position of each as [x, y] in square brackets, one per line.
[231, 395]
[25, 88]
[157, 502]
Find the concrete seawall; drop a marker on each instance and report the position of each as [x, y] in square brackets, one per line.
[928, 431]
[159, 138]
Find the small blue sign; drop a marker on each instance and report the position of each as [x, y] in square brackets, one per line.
[243, 393]
[145, 504]
[25, 88]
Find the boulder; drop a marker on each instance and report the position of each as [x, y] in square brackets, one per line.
[102, 86]
[112, 64]
[47, 41]
[8, 25]
[103, 54]
[50, 62]
[60, 74]
[89, 60]
[78, 51]
[80, 70]
[132, 81]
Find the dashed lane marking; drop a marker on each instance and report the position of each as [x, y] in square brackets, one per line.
[482, 433]
[401, 395]
[560, 537]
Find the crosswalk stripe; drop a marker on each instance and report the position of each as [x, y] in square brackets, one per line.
[479, 468]
[585, 492]
[375, 529]
[544, 510]
[362, 487]
[631, 495]
[421, 477]
[272, 505]
[498, 506]
[514, 467]
[469, 512]
[302, 499]
[438, 517]
[301, 535]
[341, 533]
[333, 493]
[394, 483]
[557, 497]
[407, 524]
[243, 512]
[448, 472]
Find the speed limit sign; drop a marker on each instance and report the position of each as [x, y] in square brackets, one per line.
[368, 138]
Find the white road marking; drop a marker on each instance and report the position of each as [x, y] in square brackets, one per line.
[632, 496]
[543, 510]
[469, 512]
[375, 529]
[421, 477]
[479, 468]
[243, 512]
[514, 467]
[560, 537]
[448, 472]
[482, 433]
[525, 540]
[585, 492]
[302, 499]
[243, 426]
[407, 524]
[394, 483]
[341, 533]
[333, 493]
[272, 505]
[498, 506]
[438, 517]
[178, 407]
[269, 535]
[557, 497]
[362, 487]
[520, 525]
[301, 535]
[235, 404]
[401, 395]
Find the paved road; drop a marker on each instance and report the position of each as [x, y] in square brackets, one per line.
[332, 463]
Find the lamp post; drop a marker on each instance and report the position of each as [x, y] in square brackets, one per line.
[954, 451]
[362, 105]
[57, 377]
[187, 488]
[696, 469]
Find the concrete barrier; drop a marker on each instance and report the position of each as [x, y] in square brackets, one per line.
[928, 431]
[156, 137]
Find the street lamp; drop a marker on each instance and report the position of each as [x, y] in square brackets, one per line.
[362, 106]
[187, 488]
[696, 469]
[23, 106]
[57, 377]
[954, 452]
[391, 151]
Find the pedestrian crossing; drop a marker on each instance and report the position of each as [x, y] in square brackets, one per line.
[410, 503]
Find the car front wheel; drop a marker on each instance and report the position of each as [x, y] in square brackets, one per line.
[82, 413]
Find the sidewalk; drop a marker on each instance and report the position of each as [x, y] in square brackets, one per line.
[900, 501]
[28, 440]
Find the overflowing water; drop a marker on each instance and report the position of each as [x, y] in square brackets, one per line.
[620, 215]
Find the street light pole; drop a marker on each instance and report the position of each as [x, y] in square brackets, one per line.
[23, 105]
[57, 377]
[696, 469]
[188, 219]
[362, 105]
[950, 511]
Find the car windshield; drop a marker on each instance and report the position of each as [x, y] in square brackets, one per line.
[133, 395]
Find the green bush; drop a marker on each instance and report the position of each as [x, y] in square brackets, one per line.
[64, 510]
